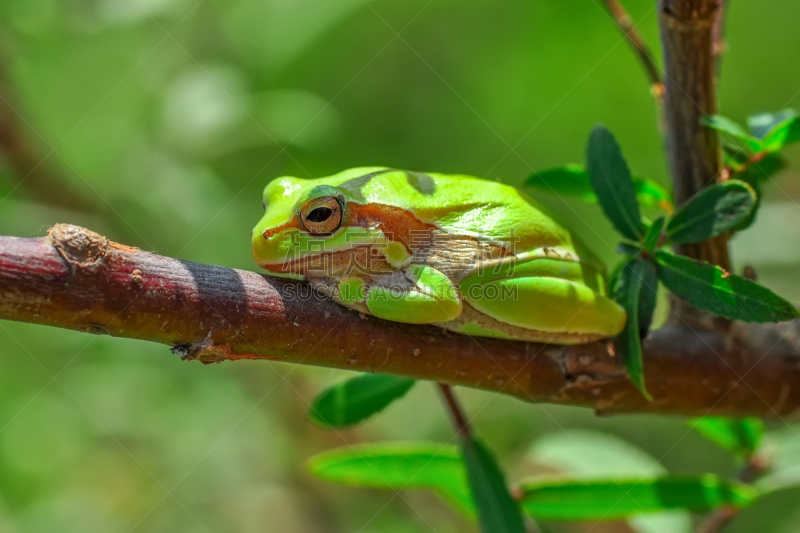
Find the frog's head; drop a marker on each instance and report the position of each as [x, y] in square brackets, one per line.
[314, 228]
[301, 218]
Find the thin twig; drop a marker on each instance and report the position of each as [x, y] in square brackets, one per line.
[718, 519]
[460, 421]
[636, 41]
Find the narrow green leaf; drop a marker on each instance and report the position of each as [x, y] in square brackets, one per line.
[589, 455]
[349, 402]
[433, 466]
[733, 130]
[739, 436]
[721, 293]
[713, 211]
[593, 454]
[651, 194]
[783, 449]
[783, 134]
[648, 298]
[616, 499]
[760, 124]
[761, 170]
[754, 173]
[628, 292]
[611, 180]
[497, 510]
[572, 179]
[653, 235]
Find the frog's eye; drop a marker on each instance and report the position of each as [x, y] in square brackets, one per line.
[321, 216]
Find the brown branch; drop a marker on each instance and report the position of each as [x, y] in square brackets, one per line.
[690, 92]
[76, 279]
[625, 24]
[460, 422]
[639, 46]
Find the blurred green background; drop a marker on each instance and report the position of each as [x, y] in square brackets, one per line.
[158, 123]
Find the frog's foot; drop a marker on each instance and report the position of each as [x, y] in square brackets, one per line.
[417, 295]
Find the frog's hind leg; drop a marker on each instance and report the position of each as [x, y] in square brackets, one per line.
[429, 297]
[552, 297]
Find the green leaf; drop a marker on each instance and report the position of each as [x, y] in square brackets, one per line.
[349, 402]
[636, 282]
[590, 454]
[721, 293]
[783, 134]
[713, 211]
[783, 450]
[593, 454]
[617, 499]
[651, 194]
[433, 466]
[653, 235]
[754, 173]
[648, 298]
[611, 181]
[733, 130]
[739, 436]
[497, 510]
[760, 124]
[572, 179]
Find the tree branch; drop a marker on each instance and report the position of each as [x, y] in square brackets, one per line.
[460, 422]
[625, 24]
[690, 92]
[77, 279]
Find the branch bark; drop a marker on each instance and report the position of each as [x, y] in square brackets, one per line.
[77, 279]
[687, 34]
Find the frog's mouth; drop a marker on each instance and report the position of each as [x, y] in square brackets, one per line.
[365, 259]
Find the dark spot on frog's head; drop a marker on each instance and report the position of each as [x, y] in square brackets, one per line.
[355, 185]
[423, 183]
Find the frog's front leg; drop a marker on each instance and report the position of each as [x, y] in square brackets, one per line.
[428, 296]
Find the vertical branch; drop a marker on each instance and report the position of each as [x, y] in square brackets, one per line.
[690, 92]
[460, 421]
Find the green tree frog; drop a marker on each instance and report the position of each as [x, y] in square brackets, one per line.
[473, 256]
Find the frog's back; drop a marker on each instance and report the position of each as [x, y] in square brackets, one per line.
[461, 204]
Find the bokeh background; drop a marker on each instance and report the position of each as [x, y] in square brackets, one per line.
[158, 123]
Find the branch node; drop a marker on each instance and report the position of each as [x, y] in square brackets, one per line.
[79, 247]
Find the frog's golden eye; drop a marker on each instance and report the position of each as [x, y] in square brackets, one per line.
[321, 216]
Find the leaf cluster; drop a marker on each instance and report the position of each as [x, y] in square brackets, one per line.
[468, 477]
[719, 209]
[617, 485]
